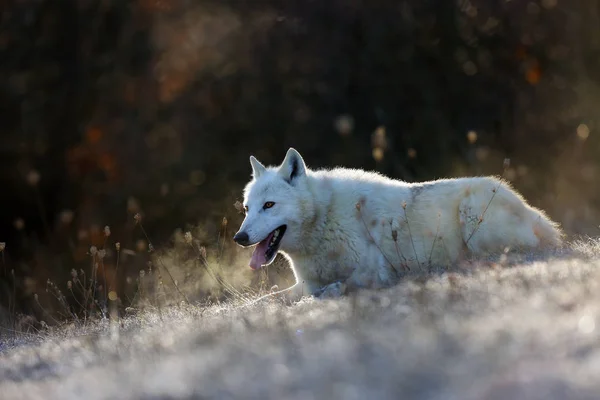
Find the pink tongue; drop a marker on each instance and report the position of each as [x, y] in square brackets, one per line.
[259, 258]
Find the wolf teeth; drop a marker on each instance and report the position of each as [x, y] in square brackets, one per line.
[275, 237]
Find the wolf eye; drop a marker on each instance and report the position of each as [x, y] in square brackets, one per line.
[268, 204]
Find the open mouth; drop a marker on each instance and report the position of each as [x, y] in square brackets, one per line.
[266, 249]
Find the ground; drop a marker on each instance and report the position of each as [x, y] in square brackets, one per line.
[526, 329]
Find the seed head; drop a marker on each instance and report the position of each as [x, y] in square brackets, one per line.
[69, 285]
[203, 251]
[137, 218]
[404, 205]
[19, 224]
[73, 273]
[188, 237]
[344, 124]
[66, 216]
[93, 250]
[35, 296]
[142, 273]
[82, 234]
[33, 177]
[239, 207]
[472, 137]
[118, 246]
[132, 204]
[224, 222]
[107, 231]
[2, 246]
[150, 248]
[140, 245]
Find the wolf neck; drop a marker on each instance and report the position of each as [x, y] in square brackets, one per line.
[320, 212]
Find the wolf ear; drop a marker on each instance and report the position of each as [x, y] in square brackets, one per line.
[293, 166]
[257, 167]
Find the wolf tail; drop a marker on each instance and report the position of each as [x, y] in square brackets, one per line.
[548, 231]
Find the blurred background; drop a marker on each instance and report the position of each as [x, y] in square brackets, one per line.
[111, 108]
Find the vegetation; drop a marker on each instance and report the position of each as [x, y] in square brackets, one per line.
[126, 131]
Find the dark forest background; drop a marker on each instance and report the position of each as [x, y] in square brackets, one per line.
[110, 108]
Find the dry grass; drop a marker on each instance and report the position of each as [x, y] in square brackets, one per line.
[523, 326]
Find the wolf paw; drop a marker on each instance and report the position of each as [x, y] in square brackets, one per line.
[332, 291]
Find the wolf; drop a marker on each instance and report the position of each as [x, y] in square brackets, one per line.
[345, 229]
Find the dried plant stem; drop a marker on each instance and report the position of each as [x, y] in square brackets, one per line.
[410, 235]
[3, 263]
[434, 240]
[445, 250]
[506, 164]
[249, 303]
[75, 298]
[358, 207]
[85, 295]
[117, 267]
[44, 310]
[2, 248]
[163, 265]
[82, 287]
[226, 286]
[156, 294]
[224, 225]
[94, 280]
[57, 294]
[13, 312]
[104, 272]
[480, 220]
[140, 290]
[398, 251]
[33, 335]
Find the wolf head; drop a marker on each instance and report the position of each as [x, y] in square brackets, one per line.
[277, 201]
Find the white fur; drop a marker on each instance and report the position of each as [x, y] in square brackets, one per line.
[341, 222]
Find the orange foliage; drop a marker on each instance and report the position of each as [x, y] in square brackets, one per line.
[93, 135]
[171, 86]
[108, 163]
[521, 53]
[533, 73]
[82, 160]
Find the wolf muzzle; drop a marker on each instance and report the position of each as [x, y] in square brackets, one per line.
[241, 238]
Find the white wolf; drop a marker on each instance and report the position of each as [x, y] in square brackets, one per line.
[344, 229]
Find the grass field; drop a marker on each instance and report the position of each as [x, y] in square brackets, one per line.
[526, 328]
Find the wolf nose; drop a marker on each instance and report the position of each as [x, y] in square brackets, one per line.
[241, 238]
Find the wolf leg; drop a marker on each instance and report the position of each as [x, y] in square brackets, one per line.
[494, 217]
[332, 291]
